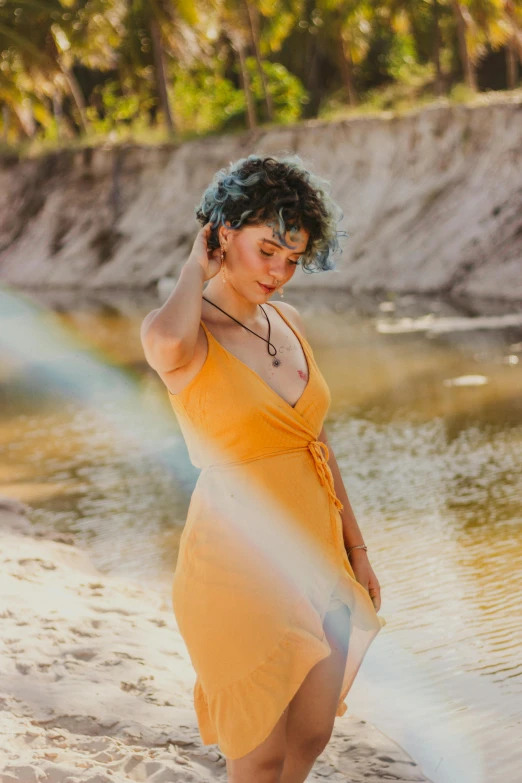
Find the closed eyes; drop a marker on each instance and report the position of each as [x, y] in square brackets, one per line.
[269, 255]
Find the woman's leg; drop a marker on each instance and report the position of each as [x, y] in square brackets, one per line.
[264, 764]
[312, 710]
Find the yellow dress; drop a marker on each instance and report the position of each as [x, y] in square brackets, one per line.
[262, 550]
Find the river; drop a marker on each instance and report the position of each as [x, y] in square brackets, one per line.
[426, 424]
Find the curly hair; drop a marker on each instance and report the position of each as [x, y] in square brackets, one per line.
[280, 192]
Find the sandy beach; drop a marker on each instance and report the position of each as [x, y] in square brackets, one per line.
[96, 684]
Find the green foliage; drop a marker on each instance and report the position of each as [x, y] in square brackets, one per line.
[461, 93]
[402, 60]
[113, 111]
[205, 100]
[288, 94]
[86, 70]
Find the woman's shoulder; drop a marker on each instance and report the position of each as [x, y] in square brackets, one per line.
[293, 315]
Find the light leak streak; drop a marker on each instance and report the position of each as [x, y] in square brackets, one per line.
[389, 675]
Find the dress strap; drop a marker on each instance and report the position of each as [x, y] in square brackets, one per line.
[285, 319]
[210, 339]
[207, 331]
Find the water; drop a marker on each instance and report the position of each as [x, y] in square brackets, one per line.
[426, 424]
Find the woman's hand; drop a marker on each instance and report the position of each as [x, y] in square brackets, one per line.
[209, 260]
[364, 574]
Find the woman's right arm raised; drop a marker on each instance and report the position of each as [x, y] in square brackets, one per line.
[169, 334]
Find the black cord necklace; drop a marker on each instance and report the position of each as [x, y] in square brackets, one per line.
[276, 362]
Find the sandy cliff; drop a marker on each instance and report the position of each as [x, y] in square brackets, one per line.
[432, 202]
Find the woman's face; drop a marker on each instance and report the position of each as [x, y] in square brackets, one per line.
[255, 256]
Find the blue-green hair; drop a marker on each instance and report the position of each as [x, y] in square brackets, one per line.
[280, 192]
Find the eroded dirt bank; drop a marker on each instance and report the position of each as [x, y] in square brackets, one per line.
[432, 202]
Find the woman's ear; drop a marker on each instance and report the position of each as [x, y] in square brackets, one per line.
[224, 235]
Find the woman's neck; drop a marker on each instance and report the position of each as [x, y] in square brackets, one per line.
[237, 306]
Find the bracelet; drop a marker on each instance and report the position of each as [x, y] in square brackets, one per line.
[357, 546]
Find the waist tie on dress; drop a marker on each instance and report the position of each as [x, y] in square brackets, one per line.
[320, 457]
[323, 469]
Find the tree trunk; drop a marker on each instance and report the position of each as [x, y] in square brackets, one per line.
[159, 70]
[76, 92]
[58, 113]
[511, 64]
[61, 61]
[516, 34]
[347, 70]
[253, 19]
[24, 112]
[245, 81]
[310, 64]
[467, 65]
[6, 122]
[439, 81]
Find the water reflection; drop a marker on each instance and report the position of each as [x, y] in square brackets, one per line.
[430, 458]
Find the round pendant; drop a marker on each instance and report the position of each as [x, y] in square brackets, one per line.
[276, 362]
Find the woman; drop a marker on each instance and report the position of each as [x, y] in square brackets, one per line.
[273, 592]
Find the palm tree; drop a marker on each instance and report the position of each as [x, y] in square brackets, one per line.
[479, 23]
[465, 24]
[493, 27]
[235, 22]
[348, 23]
[437, 44]
[163, 28]
[514, 45]
[32, 32]
[253, 20]
[424, 16]
[252, 26]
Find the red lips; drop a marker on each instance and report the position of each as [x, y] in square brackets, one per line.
[268, 289]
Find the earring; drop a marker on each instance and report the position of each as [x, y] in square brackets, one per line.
[281, 292]
[223, 277]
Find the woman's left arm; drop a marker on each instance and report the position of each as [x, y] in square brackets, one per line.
[351, 532]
